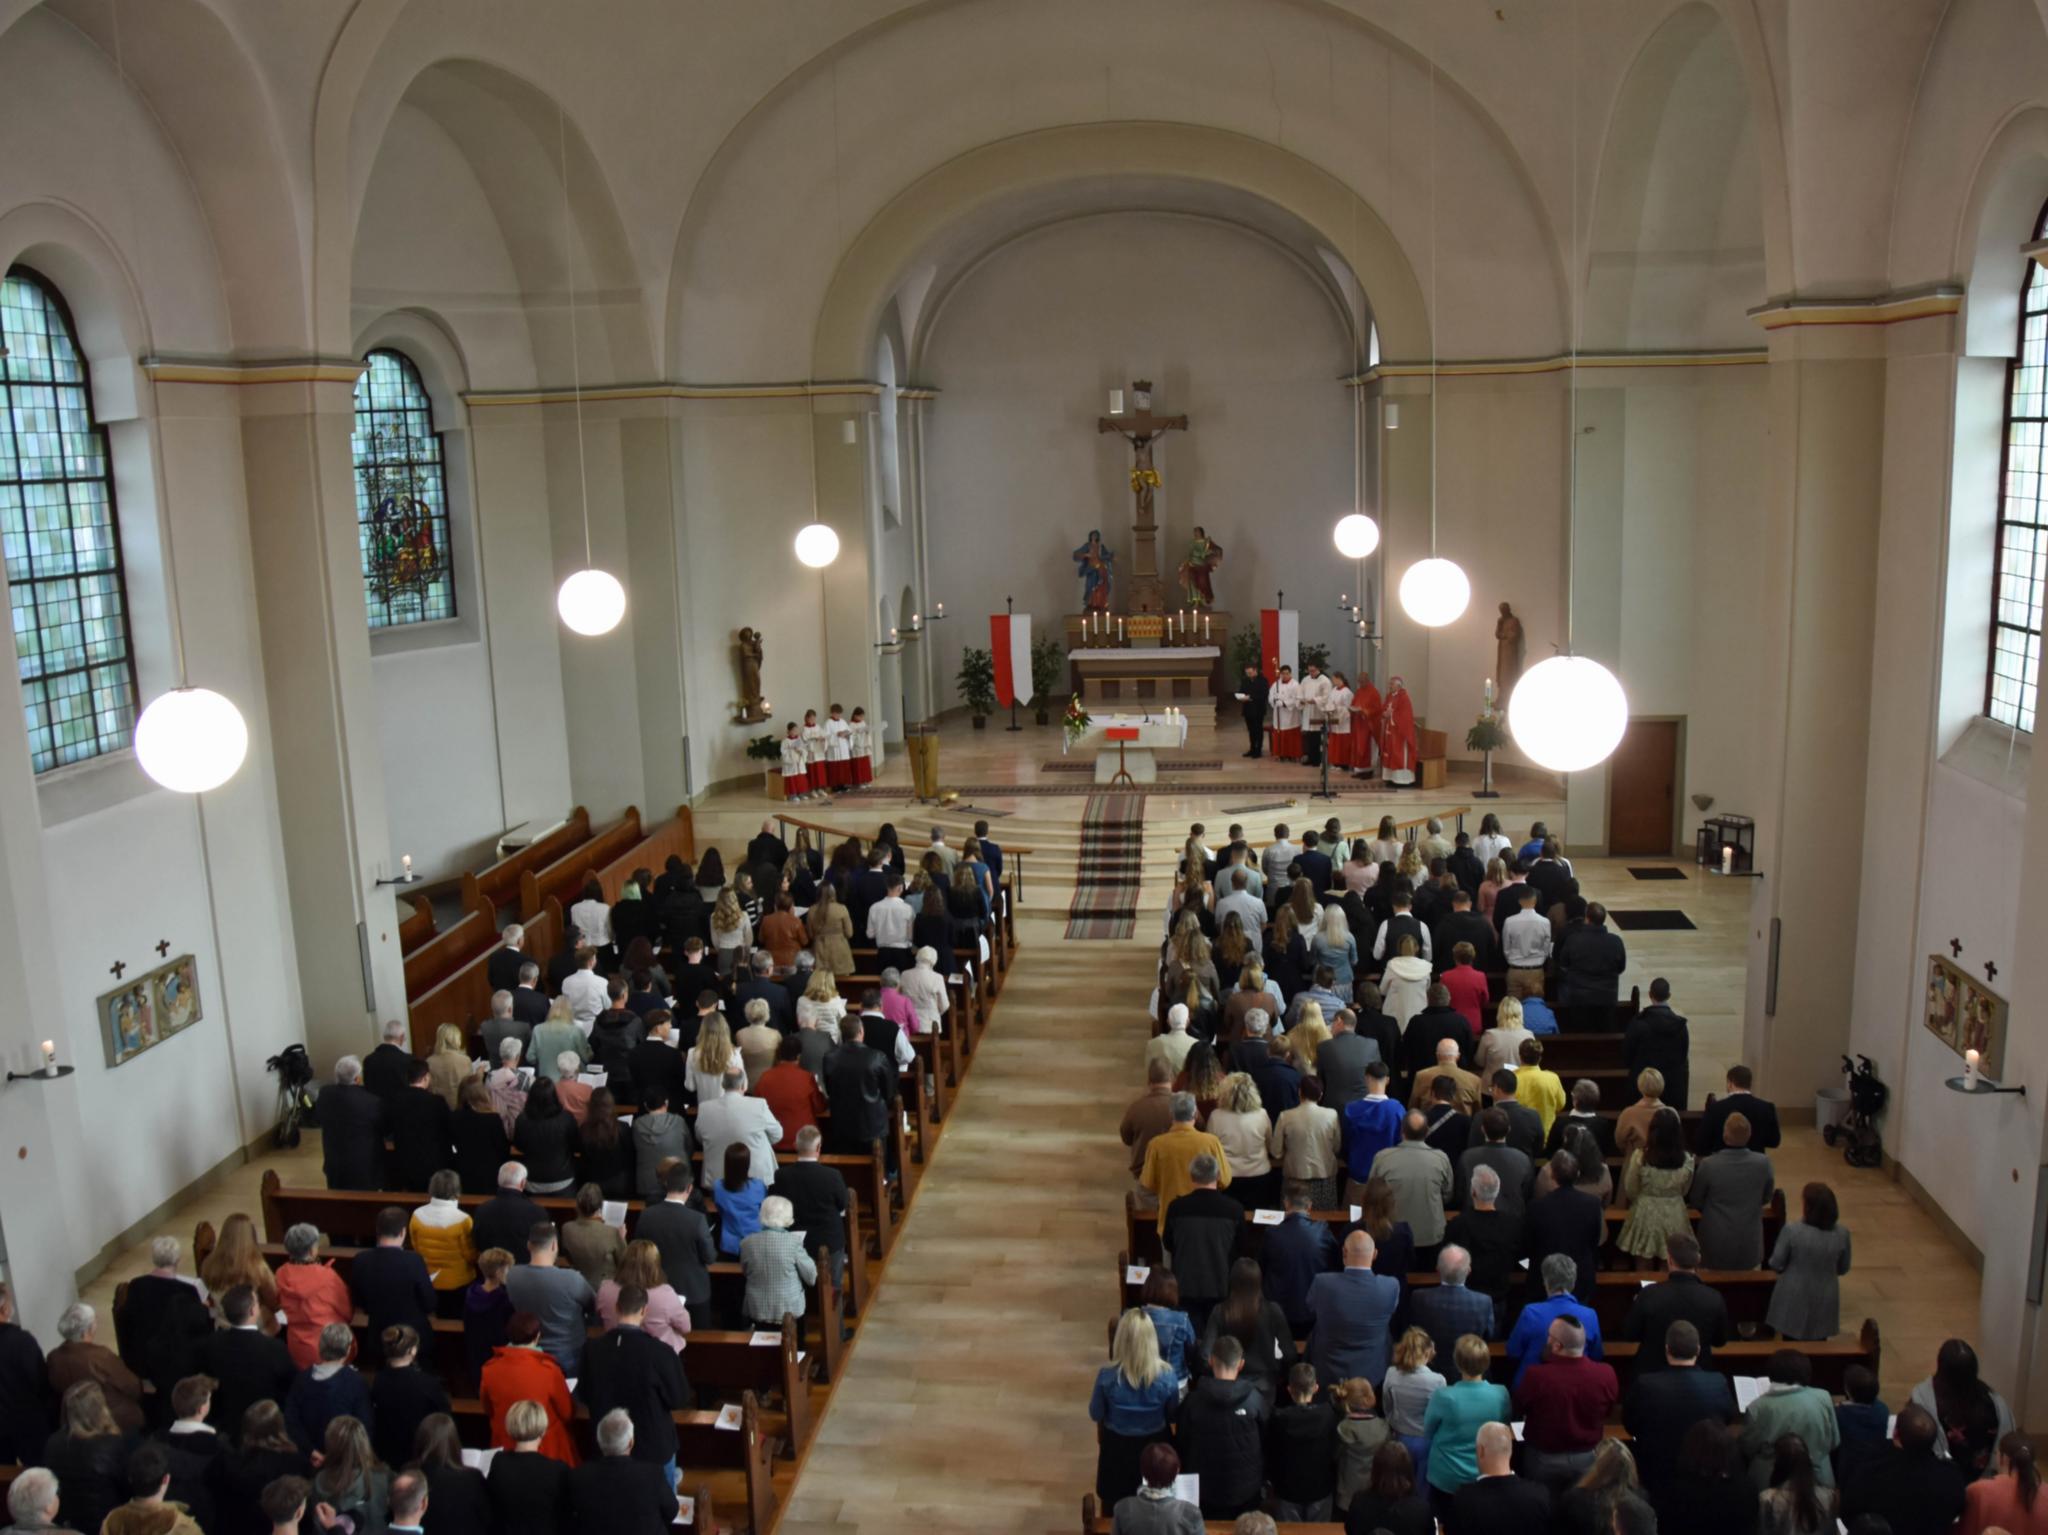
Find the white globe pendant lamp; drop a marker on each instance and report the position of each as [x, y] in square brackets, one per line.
[1435, 592]
[1357, 535]
[591, 602]
[191, 740]
[817, 545]
[1568, 713]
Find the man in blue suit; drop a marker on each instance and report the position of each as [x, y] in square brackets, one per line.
[1448, 1310]
[1526, 1344]
[1297, 1252]
[1353, 1315]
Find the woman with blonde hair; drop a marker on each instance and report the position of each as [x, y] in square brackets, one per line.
[831, 926]
[1334, 946]
[1588, 1504]
[1386, 845]
[89, 1456]
[1135, 1395]
[1309, 1034]
[821, 1006]
[732, 933]
[1409, 1384]
[1500, 1047]
[1190, 973]
[1632, 1125]
[1252, 990]
[237, 1258]
[668, 1319]
[1241, 1123]
[1301, 904]
[709, 1060]
[1490, 888]
[1232, 950]
[449, 1066]
[1411, 868]
[1201, 1074]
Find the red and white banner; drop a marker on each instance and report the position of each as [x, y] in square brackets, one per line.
[1009, 636]
[1279, 640]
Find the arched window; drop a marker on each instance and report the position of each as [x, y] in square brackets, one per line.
[401, 496]
[2022, 555]
[60, 537]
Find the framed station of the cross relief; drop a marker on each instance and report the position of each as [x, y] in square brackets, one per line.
[150, 1009]
[1965, 1014]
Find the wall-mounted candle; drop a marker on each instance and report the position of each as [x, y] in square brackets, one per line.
[405, 864]
[939, 608]
[49, 1057]
[892, 634]
[1970, 1062]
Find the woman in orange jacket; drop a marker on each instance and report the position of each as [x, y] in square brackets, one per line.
[520, 1372]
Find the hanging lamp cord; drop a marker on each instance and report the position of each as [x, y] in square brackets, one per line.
[575, 348]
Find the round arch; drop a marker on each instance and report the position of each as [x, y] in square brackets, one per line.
[2006, 195]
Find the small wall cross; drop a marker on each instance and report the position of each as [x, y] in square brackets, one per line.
[1990, 970]
[1955, 947]
[163, 948]
[116, 969]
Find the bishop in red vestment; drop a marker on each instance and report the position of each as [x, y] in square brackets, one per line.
[1397, 736]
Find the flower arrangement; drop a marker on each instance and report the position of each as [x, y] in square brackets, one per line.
[1075, 721]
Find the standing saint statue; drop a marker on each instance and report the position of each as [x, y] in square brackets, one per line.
[751, 710]
[1507, 640]
[1097, 563]
[1204, 555]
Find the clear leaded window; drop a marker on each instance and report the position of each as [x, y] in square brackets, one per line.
[401, 496]
[60, 537]
[2022, 568]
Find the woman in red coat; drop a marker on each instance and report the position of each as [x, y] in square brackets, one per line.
[520, 1372]
[1397, 736]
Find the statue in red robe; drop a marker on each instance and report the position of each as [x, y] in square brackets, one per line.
[1366, 709]
[1397, 736]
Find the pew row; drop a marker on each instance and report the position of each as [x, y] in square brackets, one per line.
[463, 997]
[562, 878]
[492, 888]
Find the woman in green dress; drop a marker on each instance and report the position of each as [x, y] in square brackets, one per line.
[1655, 1180]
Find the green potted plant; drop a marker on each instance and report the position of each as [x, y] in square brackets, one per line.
[1486, 737]
[976, 680]
[1312, 655]
[1244, 648]
[1048, 673]
[768, 749]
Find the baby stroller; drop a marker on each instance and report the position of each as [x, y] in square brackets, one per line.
[294, 1070]
[1861, 1146]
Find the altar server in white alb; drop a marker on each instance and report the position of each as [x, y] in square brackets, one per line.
[860, 747]
[1285, 698]
[1315, 705]
[838, 750]
[1340, 722]
[814, 754]
[796, 773]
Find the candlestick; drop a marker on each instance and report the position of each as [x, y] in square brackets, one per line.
[1727, 858]
[1970, 1060]
[405, 863]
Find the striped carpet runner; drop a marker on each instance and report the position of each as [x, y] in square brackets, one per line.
[1110, 867]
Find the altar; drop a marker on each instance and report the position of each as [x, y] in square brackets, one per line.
[1146, 676]
[1124, 743]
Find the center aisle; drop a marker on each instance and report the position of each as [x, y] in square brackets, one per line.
[965, 1405]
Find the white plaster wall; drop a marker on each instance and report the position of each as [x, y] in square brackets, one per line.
[438, 730]
[1232, 332]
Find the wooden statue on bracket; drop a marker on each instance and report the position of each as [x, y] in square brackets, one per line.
[753, 708]
[1507, 641]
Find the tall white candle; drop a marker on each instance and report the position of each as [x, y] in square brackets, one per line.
[1119, 629]
[1970, 1061]
[1727, 858]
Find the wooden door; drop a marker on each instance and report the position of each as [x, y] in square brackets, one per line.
[1642, 789]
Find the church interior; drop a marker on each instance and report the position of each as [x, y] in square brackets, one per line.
[449, 447]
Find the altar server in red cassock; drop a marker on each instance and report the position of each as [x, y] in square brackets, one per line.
[796, 774]
[1285, 697]
[1366, 710]
[1341, 740]
[1397, 736]
[862, 746]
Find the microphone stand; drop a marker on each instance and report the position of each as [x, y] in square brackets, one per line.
[1323, 790]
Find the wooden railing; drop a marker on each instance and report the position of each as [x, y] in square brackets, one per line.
[1010, 854]
[433, 962]
[1407, 829]
[418, 927]
[563, 878]
[492, 889]
[463, 996]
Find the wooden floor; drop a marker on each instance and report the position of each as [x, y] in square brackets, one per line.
[965, 1402]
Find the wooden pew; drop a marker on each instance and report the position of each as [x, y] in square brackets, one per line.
[463, 997]
[563, 878]
[491, 889]
[418, 927]
[673, 838]
[444, 954]
[1141, 1230]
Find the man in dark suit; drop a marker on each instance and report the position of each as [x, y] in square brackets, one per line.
[1682, 1297]
[1761, 1113]
[1466, 868]
[529, 1002]
[247, 1366]
[1517, 1170]
[1438, 1021]
[567, 961]
[1276, 1077]
[1341, 1061]
[390, 1282]
[1525, 1125]
[766, 848]
[388, 1069]
[694, 972]
[877, 1028]
[1401, 923]
[422, 1143]
[1590, 960]
[1585, 1113]
[1449, 1309]
[1491, 1238]
[1462, 925]
[1251, 692]
[1550, 875]
[1354, 1314]
[508, 1216]
[1203, 1232]
[817, 1197]
[162, 1323]
[1315, 863]
[680, 1233]
[25, 1399]
[641, 1375]
[1447, 1128]
[1371, 1021]
[505, 960]
[351, 1120]
[1663, 1405]
[1657, 1039]
[761, 982]
[860, 1084]
[1570, 1221]
[1499, 1502]
[1917, 1492]
[684, 916]
[655, 1064]
[620, 1493]
[1295, 1252]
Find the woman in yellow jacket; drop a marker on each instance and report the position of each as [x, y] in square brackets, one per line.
[443, 1234]
[1540, 1090]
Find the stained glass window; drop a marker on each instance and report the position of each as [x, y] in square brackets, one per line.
[2022, 568]
[59, 536]
[401, 497]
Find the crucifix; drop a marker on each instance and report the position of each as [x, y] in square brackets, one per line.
[1139, 428]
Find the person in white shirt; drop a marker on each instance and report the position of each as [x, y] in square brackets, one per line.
[1285, 698]
[1492, 843]
[1315, 708]
[1173, 1046]
[592, 916]
[1525, 942]
[926, 989]
[889, 923]
[585, 990]
[1402, 921]
[1279, 855]
[733, 1117]
[814, 754]
[838, 750]
[871, 1017]
[1341, 754]
[1251, 911]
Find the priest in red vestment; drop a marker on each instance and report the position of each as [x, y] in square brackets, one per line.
[1397, 736]
[1366, 710]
